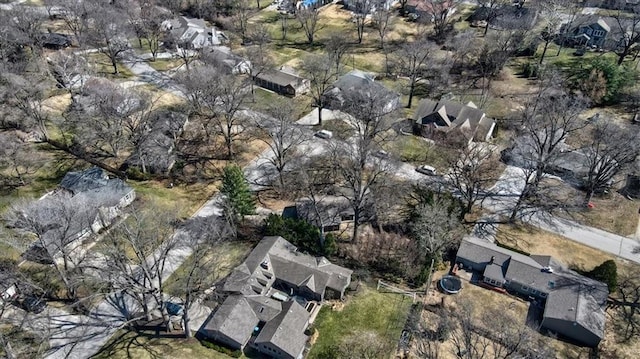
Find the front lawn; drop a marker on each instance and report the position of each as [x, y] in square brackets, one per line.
[125, 344]
[367, 311]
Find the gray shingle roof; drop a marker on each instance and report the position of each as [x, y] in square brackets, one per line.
[251, 282]
[330, 210]
[450, 116]
[579, 301]
[286, 331]
[571, 296]
[234, 318]
[280, 78]
[76, 182]
[495, 272]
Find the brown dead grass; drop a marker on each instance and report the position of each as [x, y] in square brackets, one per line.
[537, 241]
[614, 213]
[56, 105]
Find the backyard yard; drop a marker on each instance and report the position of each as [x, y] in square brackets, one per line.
[366, 311]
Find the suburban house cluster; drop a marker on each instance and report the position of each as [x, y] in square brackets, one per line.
[271, 297]
[574, 305]
[96, 195]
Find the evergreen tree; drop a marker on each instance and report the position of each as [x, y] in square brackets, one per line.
[237, 192]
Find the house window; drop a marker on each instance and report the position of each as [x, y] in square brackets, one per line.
[534, 292]
[543, 295]
[589, 31]
[525, 288]
[598, 33]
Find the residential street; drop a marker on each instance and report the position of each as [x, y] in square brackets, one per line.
[506, 191]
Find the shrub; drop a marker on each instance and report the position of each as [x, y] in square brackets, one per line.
[530, 70]
[607, 272]
[302, 234]
[602, 79]
[222, 349]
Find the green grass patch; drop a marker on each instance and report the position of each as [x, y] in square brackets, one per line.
[187, 197]
[165, 64]
[369, 310]
[102, 65]
[417, 151]
[125, 344]
[219, 260]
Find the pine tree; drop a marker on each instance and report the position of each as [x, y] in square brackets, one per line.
[237, 192]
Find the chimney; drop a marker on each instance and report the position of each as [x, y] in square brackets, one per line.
[493, 258]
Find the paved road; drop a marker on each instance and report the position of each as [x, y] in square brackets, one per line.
[509, 186]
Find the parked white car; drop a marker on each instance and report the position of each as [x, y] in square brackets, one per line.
[426, 170]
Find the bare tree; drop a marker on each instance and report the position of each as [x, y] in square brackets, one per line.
[205, 265]
[381, 19]
[282, 136]
[138, 251]
[370, 115]
[70, 70]
[439, 12]
[472, 172]
[59, 223]
[412, 58]
[361, 11]
[308, 16]
[242, 12]
[571, 9]
[116, 118]
[27, 95]
[108, 33]
[611, 150]
[363, 345]
[435, 226]
[25, 23]
[625, 306]
[492, 10]
[75, 15]
[337, 46]
[553, 12]
[18, 159]
[321, 72]
[547, 120]
[217, 97]
[627, 29]
[152, 30]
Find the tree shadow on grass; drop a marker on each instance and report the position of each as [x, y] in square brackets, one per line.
[131, 343]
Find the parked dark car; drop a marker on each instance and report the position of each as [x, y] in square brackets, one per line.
[33, 304]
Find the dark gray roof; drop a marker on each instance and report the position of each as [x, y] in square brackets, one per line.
[286, 331]
[571, 296]
[265, 308]
[580, 301]
[251, 283]
[495, 272]
[450, 116]
[234, 319]
[359, 82]
[327, 211]
[280, 78]
[92, 178]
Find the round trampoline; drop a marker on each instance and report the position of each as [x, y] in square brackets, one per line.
[450, 284]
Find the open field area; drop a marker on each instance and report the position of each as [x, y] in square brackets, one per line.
[364, 311]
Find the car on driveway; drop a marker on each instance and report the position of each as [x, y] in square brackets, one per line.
[381, 154]
[324, 134]
[426, 170]
[33, 304]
